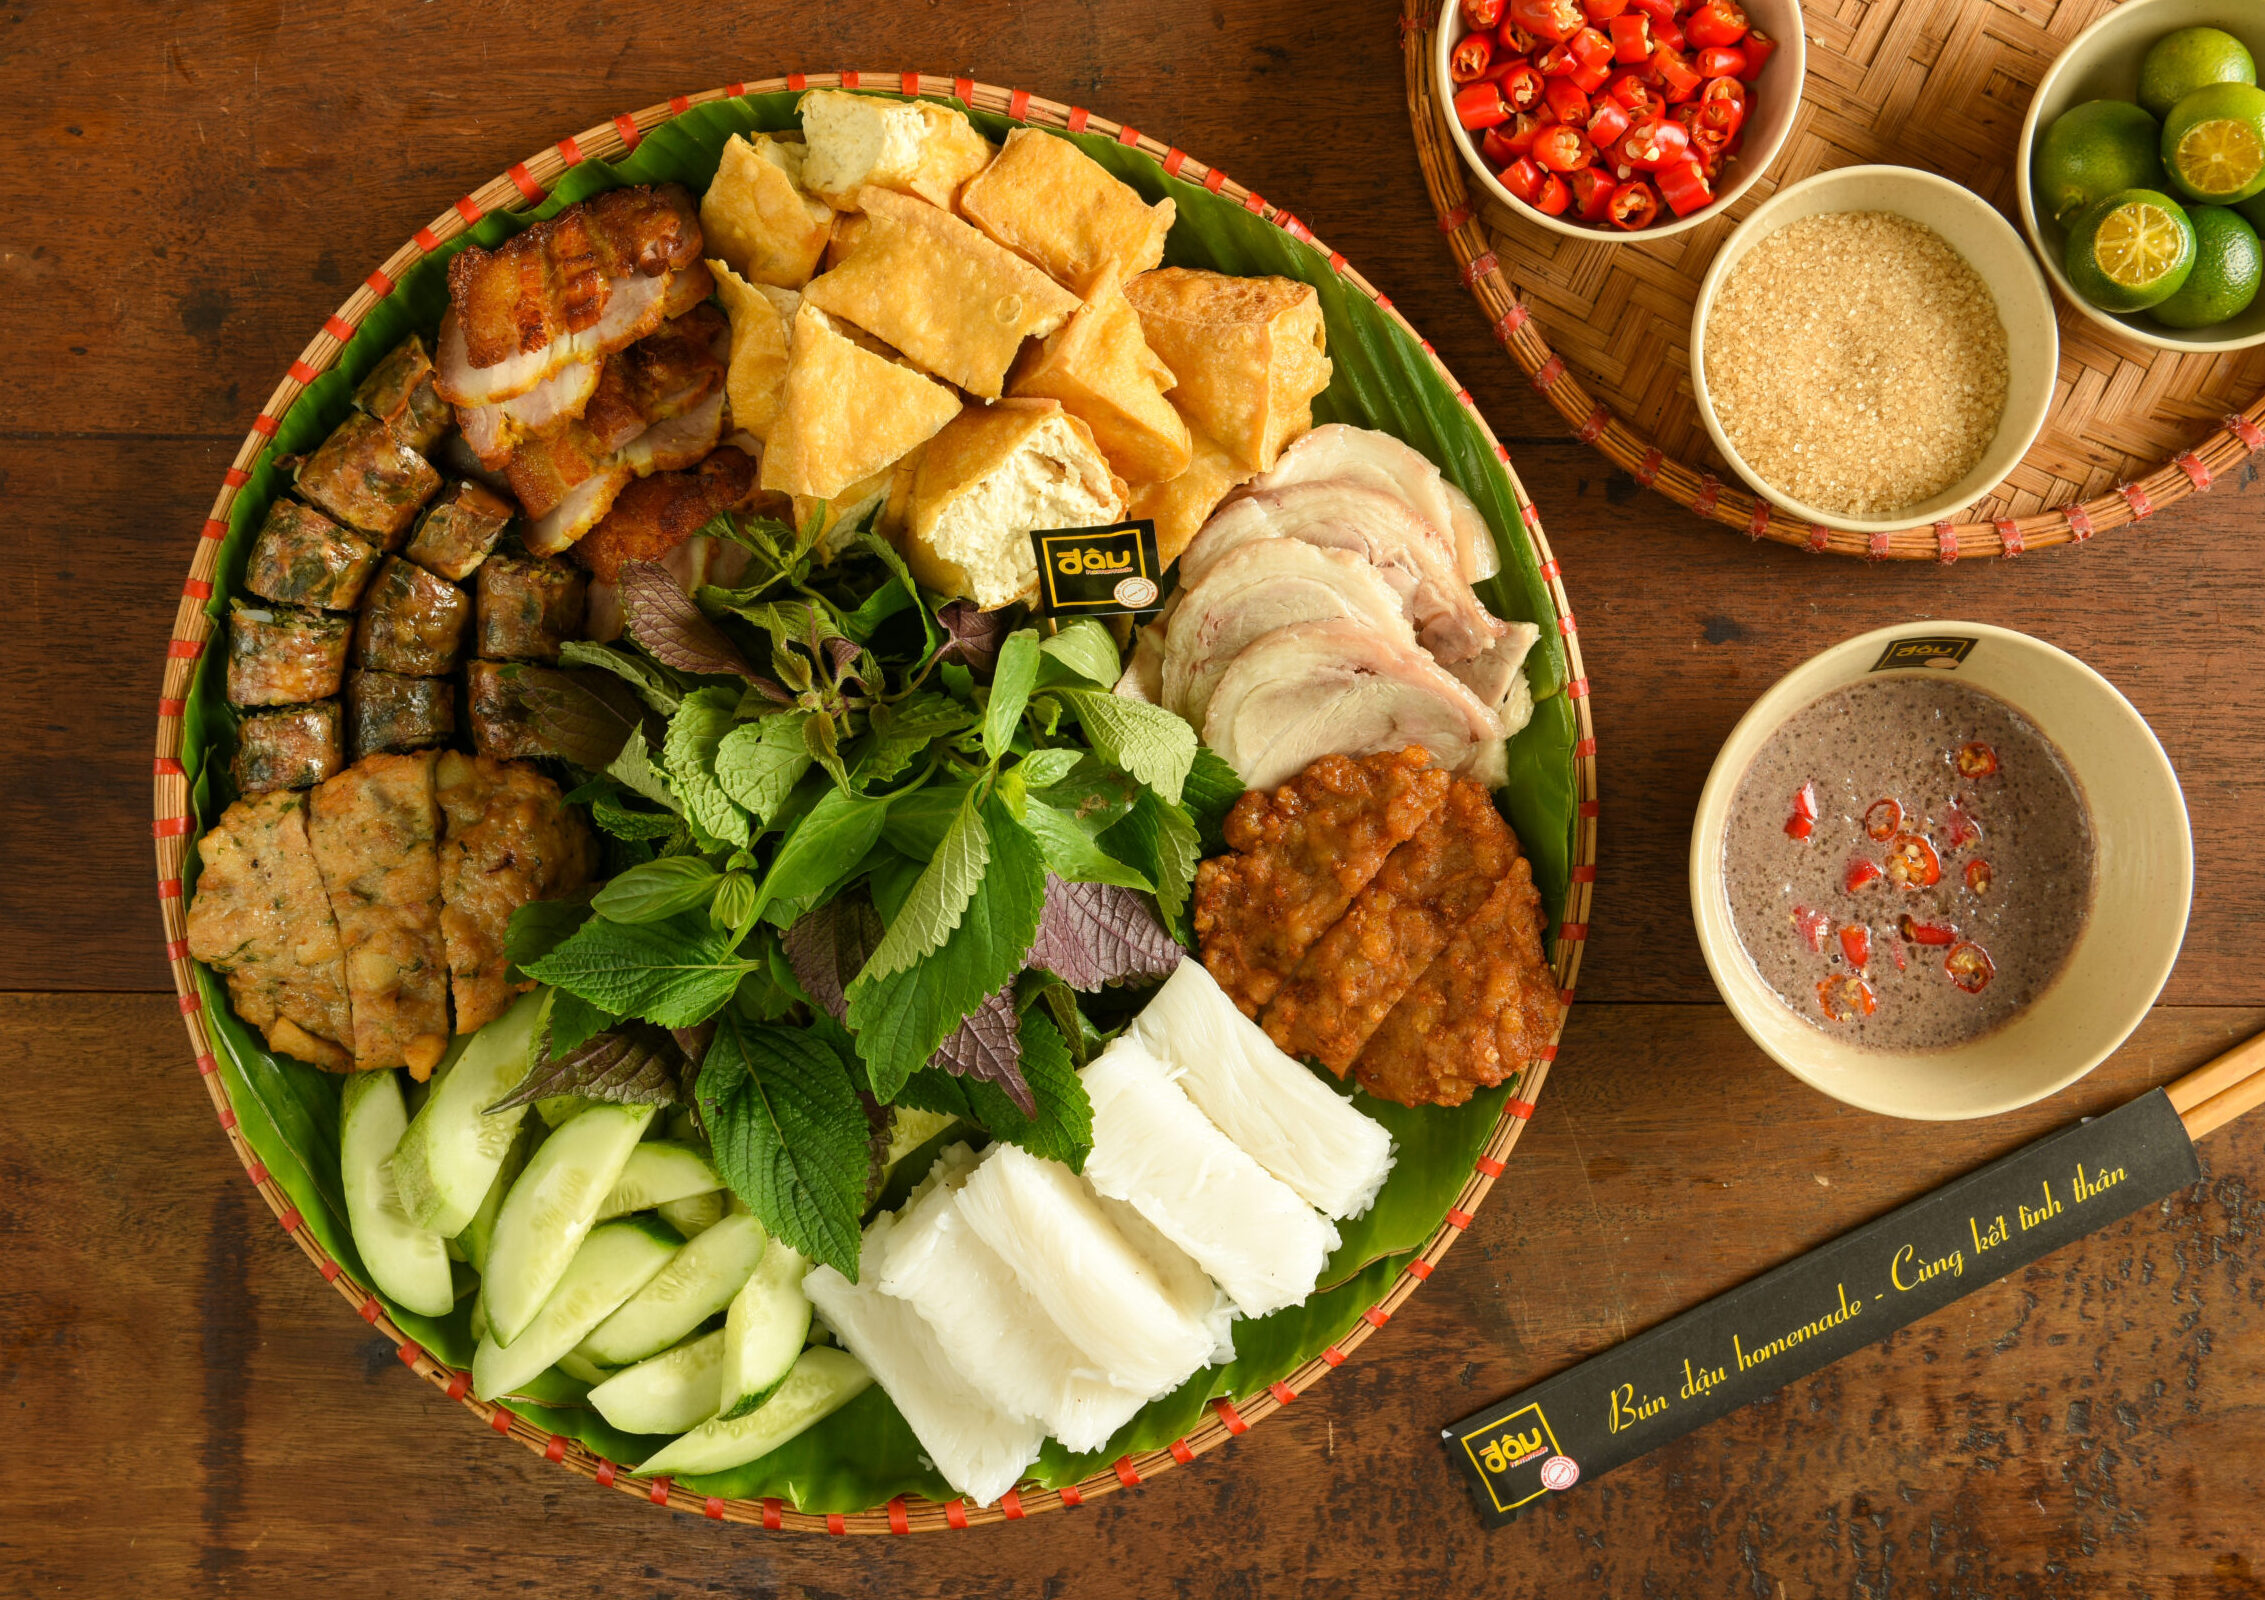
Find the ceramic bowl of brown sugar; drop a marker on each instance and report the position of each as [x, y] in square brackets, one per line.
[1874, 347]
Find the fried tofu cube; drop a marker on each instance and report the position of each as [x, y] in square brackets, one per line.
[283, 655]
[1250, 354]
[459, 530]
[412, 623]
[528, 608]
[399, 392]
[846, 413]
[368, 479]
[389, 712]
[1099, 366]
[302, 558]
[294, 748]
[910, 146]
[986, 481]
[762, 319]
[757, 217]
[1180, 506]
[1062, 211]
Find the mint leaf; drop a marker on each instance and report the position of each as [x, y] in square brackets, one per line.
[657, 889]
[1091, 935]
[609, 813]
[689, 755]
[675, 972]
[825, 845]
[940, 897]
[1086, 649]
[1011, 683]
[1095, 795]
[634, 768]
[1149, 742]
[758, 763]
[1070, 852]
[902, 1016]
[541, 926]
[1160, 840]
[635, 1064]
[1042, 768]
[1210, 793]
[985, 1048]
[652, 682]
[898, 733]
[919, 820]
[889, 556]
[789, 1135]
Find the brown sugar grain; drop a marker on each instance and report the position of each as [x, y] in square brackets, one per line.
[1856, 362]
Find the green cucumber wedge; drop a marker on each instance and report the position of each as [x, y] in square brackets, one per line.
[766, 1328]
[659, 1170]
[672, 1393]
[695, 1214]
[583, 1370]
[821, 1383]
[549, 1212]
[453, 1149]
[406, 1263]
[702, 1280]
[615, 1261]
[480, 1231]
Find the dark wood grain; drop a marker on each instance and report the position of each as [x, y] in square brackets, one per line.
[194, 187]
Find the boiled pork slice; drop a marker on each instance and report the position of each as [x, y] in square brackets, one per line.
[1252, 591]
[1497, 675]
[1339, 687]
[1411, 556]
[1376, 460]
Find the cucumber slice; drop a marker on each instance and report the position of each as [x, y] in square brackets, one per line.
[659, 1170]
[549, 1212]
[406, 1263]
[674, 1391]
[449, 1159]
[558, 1109]
[765, 1330]
[583, 1370]
[820, 1383]
[694, 1214]
[480, 1231]
[701, 1281]
[614, 1262]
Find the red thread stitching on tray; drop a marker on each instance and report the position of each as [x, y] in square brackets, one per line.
[524, 181]
[1551, 370]
[1419, 1269]
[2136, 498]
[1946, 543]
[1876, 548]
[1453, 220]
[2079, 522]
[2191, 464]
[626, 126]
[1598, 421]
[570, 150]
[1710, 487]
[469, 210]
[2251, 436]
[2009, 535]
[1511, 321]
[1477, 267]
[1647, 470]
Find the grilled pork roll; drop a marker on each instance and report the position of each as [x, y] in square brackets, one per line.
[284, 656]
[302, 558]
[399, 392]
[368, 479]
[458, 530]
[294, 748]
[412, 623]
[390, 712]
[528, 608]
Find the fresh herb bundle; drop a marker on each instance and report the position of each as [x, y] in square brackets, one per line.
[870, 848]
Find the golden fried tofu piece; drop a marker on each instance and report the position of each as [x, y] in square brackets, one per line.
[1100, 368]
[1250, 354]
[762, 321]
[1181, 506]
[930, 285]
[510, 838]
[910, 146]
[1061, 210]
[756, 216]
[375, 829]
[260, 919]
[994, 474]
[846, 413]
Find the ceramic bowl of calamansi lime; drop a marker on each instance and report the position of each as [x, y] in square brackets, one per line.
[2142, 173]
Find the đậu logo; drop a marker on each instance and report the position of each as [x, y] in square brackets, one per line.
[1518, 1459]
[1943, 652]
[1099, 572]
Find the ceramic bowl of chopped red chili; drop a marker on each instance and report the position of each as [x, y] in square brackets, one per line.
[1611, 118]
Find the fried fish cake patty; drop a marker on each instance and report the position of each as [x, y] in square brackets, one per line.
[375, 829]
[510, 838]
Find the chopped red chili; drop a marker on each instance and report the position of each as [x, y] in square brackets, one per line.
[1633, 207]
[1480, 105]
[1684, 184]
[1678, 79]
[1970, 966]
[1912, 863]
[1592, 193]
[1474, 53]
[1603, 10]
[1862, 872]
[1548, 19]
[1554, 198]
[1757, 47]
[1856, 945]
[1976, 760]
[1978, 875]
[1812, 926]
[1883, 818]
[1959, 829]
[1564, 149]
[1565, 101]
[1937, 933]
[1482, 13]
[1652, 145]
[1715, 22]
[1722, 105]
[1799, 827]
[1844, 997]
[1523, 178]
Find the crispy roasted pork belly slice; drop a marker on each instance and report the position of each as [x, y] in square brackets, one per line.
[1338, 688]
[528, 608]
[366, 478]
[1485, 1007]
[510, 838]
[302, 558]
[260, 918]
[399, 392]
[295, 747]
[375, 829]
[1407, 552]
[1300, 853]
[392, 712]
[1356, 972]
[670, 446]
[1265, 585]
[575, 288]
[668, 372]
[412, 622]
[1376, 460]
[284, 655]
[652, 517]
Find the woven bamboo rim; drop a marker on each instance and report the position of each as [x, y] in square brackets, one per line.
[2186, 472]
[524, 184]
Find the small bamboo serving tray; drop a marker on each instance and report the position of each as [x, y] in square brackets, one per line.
[1939, 84]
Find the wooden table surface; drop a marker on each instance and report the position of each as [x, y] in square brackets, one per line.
[192, 1411]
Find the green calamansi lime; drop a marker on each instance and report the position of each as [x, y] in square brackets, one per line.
[2092, 150]
[2131, 250]
[2254, 209]
[2214, 143]
[2227, 266]
[2179, 63]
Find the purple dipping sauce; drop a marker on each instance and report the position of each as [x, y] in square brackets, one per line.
[1900, 738]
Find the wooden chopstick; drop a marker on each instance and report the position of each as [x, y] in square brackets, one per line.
[2214, 1094]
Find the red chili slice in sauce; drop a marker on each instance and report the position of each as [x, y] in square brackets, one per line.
[1812, 926]
[1912, 863]
[1884, 817]
[1935, 933]
[1969, 966]
[1861, 872]
[1976, 760]
[1845, 997]
[1805, 801]
[1856, 944]
[1799, 827]
[1978, 875]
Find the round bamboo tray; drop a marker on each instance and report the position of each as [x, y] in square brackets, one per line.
[524, 184]
[1940, 84]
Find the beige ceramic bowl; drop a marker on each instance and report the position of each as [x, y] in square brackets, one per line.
[1971, 227]
[2145, 880]
[1776, 96]
[2102, 63]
